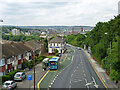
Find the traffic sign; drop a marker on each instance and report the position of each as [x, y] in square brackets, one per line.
[29, 77]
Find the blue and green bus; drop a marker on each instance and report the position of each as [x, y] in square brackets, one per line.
[53, 63]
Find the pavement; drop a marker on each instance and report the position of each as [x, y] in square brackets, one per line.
[102, 73]
[79, 74]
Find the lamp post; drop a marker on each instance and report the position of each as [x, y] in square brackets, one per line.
[34, 68]
[110, 52]
[1, 31]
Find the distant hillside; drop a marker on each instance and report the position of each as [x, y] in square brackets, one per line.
[56, 27]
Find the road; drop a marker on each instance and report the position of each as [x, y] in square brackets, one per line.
[79, 74]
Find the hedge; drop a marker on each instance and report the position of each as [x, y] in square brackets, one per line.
[9, 76]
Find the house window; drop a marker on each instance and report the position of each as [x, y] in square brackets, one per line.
[2, 62]
[53, 50]
[19, 57]
[2, 73]
[8, 61]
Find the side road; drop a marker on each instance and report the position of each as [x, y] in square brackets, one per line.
[106, 79]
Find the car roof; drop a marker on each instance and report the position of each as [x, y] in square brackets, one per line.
[8, 81]
[19, 72]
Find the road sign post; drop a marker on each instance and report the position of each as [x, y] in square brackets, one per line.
[29, 78]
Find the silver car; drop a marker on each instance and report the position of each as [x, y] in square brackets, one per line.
[9, 85]
[19, 76]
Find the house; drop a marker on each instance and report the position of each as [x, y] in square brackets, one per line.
[13, 54]
[15, 32]
[58, 43]
[35, 46]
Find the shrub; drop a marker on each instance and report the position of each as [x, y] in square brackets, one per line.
[57, 54]
[30, 64]
[114, 75]
[5, 78]
[11, 74]
[24, 65]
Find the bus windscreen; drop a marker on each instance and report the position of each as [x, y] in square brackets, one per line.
[52, 62]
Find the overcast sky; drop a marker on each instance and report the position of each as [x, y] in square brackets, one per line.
[57, 12]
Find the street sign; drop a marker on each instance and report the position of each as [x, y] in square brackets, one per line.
[29, 77]
[59, 54]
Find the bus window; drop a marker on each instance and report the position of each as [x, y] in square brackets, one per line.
[52, 63]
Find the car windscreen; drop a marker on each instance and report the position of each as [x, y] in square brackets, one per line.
[53, 63]
[17, 75]
[6, 83]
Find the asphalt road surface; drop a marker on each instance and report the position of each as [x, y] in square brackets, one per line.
[79, 74]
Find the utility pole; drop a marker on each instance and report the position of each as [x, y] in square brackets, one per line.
[110, 56]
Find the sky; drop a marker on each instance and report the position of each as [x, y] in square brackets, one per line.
[57, 12]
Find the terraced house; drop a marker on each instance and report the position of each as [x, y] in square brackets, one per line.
[14, 54]
[58, 43]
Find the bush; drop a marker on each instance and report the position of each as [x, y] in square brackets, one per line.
[57, 54]
[11, 74]
[5, 78]
[24, 65]
[41, 58]
[114, 75]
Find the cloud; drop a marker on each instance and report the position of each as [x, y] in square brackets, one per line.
[57, 12]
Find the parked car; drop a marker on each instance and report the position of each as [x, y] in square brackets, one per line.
[19, 76]
[9, 85]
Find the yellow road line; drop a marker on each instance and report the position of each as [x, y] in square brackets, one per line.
[41, 80]
[96, 72]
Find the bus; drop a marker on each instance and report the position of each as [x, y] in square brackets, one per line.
[53, 63]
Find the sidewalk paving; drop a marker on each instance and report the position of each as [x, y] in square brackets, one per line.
[109, 83]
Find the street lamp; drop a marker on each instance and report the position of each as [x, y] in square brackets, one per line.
[34, 68]
[110, 52]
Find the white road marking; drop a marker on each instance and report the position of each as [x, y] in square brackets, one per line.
[70, 86]
[86, 82]
[94, 82]
[50, 86]
[77, 81]
[71, 75]
[83, 71]
[70, 81]
[84, 75]
[74, 70]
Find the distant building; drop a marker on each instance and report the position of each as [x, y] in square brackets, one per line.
[27, 33]
[119, 7]
[58, 43]
[15, 32]
[43, 35]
